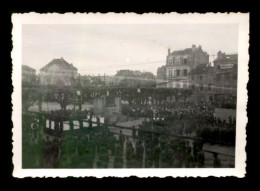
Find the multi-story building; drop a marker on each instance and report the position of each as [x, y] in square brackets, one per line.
[225, 77]
[58, 73]
[225, 61]
[202, 83]
[28, 74]
[218, 82]
[180, 63]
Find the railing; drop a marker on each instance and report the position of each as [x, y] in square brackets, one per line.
[60, 132]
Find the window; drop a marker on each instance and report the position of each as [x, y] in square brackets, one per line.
[177, 73]
[201, 87]
[169, 62]
[170, 73]
[181, 60]
[201, 78]
[185, 61]
[185, 72]
[197, 87]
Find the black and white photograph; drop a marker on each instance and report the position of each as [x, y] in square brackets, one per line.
[95, 94]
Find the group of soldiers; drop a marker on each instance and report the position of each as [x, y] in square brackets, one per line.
[140, 150]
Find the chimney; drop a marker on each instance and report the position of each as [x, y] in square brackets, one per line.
[169, 51]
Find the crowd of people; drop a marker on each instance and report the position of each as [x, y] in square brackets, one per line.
[198, 113]
[150, 145]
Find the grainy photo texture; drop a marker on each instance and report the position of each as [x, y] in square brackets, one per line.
[103, 95]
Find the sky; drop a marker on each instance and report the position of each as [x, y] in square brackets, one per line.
[106, 48]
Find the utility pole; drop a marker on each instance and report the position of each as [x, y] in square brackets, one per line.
[134, 81]
[213, 57]
[104, 79]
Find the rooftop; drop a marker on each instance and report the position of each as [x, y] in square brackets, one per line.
[61, 62]
[186, 51]
[226, 57]
[25, 67]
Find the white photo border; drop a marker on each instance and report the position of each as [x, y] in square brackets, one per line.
[242, 19]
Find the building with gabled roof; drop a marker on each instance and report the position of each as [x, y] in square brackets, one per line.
[58, 72]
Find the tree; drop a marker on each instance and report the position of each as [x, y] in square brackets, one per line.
[31, 93]
[130, 78]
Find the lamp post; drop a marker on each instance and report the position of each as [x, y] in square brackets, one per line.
[139, 96]
[79, 99]
[62, 99]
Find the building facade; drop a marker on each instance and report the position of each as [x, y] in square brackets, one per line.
[225, 61]
[202, 84]
[28, 75]
[218, 82]
[180, 63]
[225, 77]
[58, 73]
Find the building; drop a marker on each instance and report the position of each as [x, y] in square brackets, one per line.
[109, 80]
[202, 82]
[216, 83]
[225, 77]
[180, 63]
[58, 73]
[28, 75]
[225, 61]
[161, 77]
